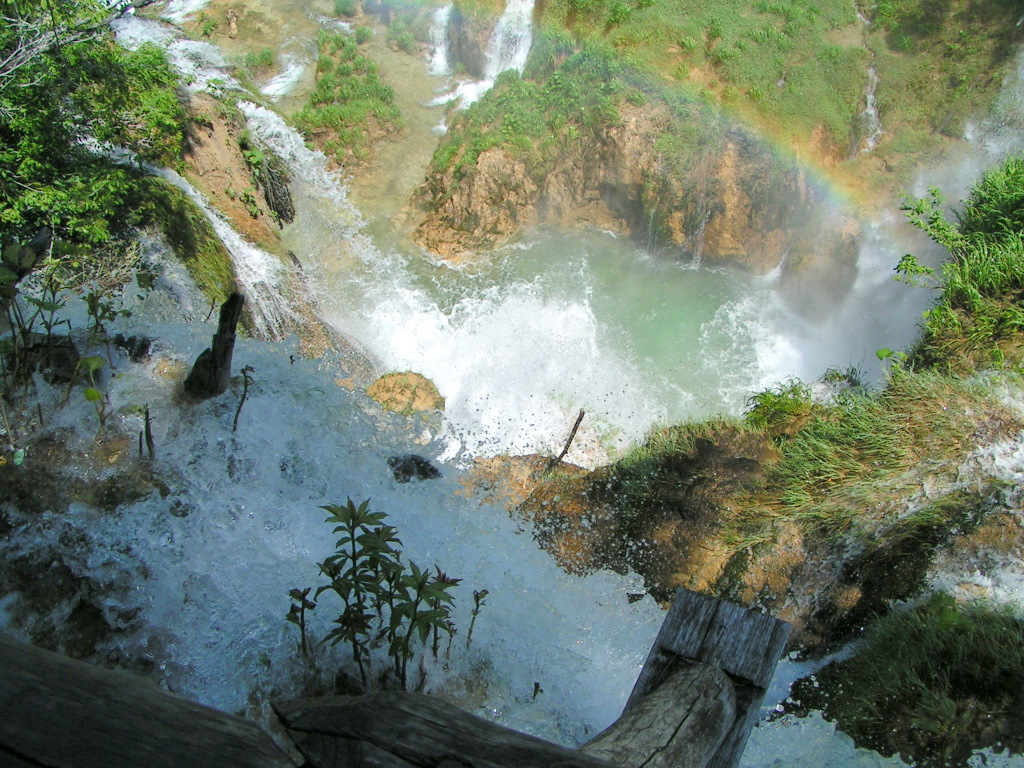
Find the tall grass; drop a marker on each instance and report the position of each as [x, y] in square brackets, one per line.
[350, 104]
[979, 316]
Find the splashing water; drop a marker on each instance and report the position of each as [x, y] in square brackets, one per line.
[260, 276]
[437, 59]
[508, 48]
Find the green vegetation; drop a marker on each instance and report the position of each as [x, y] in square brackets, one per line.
[931, 684]
[256, 62]
[979, 316]
[384, 598]
[772, 58]
[541, 122]
[351, 107]
[47, 174]
[796, 70]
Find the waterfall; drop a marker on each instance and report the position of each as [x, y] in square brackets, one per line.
[870, 121]
[259, 274]
[511, 40]
[507, 48]
[437, 60]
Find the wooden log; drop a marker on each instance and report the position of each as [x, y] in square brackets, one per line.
[681, 724]
[61, 713]
[399, 729]
[211, 372]
[744, 644]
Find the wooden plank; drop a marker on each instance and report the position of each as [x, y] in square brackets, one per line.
[58, 712]
[745, 644]
[400, 728]
[682, 723]
[748, 711]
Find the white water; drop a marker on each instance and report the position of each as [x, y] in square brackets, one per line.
[869, 117]
[293, 67]
[514, 347]
[508, 48]
[437, 57]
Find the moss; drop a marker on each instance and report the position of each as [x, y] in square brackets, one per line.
[193, 239]
[932, 684]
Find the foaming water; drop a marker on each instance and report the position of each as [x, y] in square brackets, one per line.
[507, 48]
[293, 67]
[437, 56]
[203, 571]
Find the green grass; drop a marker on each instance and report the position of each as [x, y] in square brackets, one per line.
[539, 122]
[932, 684]
[979, 316]
[351, 106]
[771, 58]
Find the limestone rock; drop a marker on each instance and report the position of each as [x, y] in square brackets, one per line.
[406, 393]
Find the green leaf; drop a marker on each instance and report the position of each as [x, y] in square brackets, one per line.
[93, 395]
[19, 457]
[884, 353]
[45, 306]
[93, 363]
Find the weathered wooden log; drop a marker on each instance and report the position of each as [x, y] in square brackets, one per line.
[211, 373]
[398, 729]
[681, 724]
[744, 644]
[61, 713]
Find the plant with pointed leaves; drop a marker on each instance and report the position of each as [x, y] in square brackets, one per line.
[297, 614]
[385, 600]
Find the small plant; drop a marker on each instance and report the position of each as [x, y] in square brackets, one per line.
[478, 603]
[245, 391]
[297, 615]
[248, 198]
[363, 35]
[91, 365]
[345, 8]
[207, 26]
[385, 600]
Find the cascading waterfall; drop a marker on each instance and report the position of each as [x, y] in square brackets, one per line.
[508, 48]
[511, 40]
[260, 275]
[869, 117]
[437, 58]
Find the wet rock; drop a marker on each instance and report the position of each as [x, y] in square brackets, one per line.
[136, 347]
[406, 393]
[412, 467]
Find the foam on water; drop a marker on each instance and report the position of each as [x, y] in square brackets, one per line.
[437, 57]
[200, 64]
[179, 10]
[293, 67]
[199, 578]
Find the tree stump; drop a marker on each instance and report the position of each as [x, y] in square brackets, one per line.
[211, 372]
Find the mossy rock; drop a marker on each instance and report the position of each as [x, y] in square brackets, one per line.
[406, 393]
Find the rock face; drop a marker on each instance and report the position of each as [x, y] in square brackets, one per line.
[406, 393]
[699, 189]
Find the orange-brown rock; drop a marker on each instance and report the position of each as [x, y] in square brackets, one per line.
[721, 196]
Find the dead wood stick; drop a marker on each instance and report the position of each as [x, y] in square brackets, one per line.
[554, 462]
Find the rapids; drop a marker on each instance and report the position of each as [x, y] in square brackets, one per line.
[517, 344]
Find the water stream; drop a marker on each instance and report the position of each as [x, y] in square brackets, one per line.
[516, 343]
